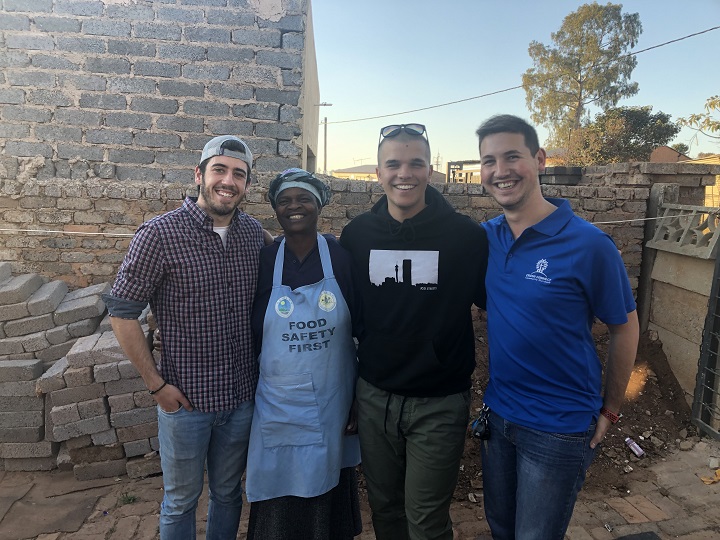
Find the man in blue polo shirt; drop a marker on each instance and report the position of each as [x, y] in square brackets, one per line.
[550, 274]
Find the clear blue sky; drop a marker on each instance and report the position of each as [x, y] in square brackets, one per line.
[378, 57]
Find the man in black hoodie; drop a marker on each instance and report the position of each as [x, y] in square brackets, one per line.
[421, 266]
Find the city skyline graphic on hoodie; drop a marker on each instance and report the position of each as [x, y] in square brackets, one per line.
[392, 268]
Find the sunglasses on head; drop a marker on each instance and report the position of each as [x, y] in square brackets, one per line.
[393, 130]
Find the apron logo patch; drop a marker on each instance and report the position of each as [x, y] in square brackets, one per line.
[327, 301]
[284, 307]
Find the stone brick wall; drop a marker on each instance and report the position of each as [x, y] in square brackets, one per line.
[95, 219]
[131, 90]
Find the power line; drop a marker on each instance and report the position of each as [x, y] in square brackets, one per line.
[518, 86]
[40, 232]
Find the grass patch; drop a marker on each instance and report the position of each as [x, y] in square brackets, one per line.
[127, 498]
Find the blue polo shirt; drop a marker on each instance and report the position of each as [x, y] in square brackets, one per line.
[543, 292]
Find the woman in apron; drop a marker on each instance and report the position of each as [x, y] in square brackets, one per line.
[301, 461]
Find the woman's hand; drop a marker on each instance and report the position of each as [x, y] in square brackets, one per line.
[352, 424]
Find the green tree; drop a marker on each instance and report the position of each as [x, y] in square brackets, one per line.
[681, 148]
[619, 135]
[587, 65]
[705, 123]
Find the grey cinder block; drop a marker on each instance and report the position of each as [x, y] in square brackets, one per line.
[53, 378]
[143, 466]
[92, 408]
[18, 388]
[19, 288]
[127, 370]
[92, 290]
[81, 353]
[20, 370]
[137, 432]
[54, 352]
[5, 267]
[82, 376]
[58, 335]
[70, 311]
[47, 298]
[32, 342]
[106, 372]
[22, 434]
[84, 327]
[65, 414]
[107, 349]
[105, 437]
[28, 450]
[92, 454]
[137, 448]
[101, 469]
[25, 403]
[144, 399]
[29, 325]
[22, 419]
[121, 402]
[124, 386]
[77, 394]
[31, 464]
[87, 426]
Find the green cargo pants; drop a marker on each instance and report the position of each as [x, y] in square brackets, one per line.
[411, 449]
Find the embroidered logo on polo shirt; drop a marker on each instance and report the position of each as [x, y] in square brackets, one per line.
[327, 301]
[284, 307]
[539, 273]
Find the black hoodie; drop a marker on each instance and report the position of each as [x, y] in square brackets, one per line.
[419, 279]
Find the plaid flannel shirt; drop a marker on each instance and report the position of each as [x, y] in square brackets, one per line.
[201, 294]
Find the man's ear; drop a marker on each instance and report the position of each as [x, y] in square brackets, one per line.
[541, 157]
[198, 176]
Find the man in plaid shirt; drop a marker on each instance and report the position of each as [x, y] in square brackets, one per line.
[197, 267]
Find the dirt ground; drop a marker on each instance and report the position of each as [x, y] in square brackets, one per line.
[656, 415]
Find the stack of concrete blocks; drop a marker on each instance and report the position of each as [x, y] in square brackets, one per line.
[39, 323]
[40, 319]
[102, 414]
[22, 447]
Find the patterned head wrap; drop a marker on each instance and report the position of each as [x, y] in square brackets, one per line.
[301, 179]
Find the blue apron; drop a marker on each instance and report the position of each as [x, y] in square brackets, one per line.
[308, 370]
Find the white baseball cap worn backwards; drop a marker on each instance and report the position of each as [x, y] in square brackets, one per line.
[227, 145]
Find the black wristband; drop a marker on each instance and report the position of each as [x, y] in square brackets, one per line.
[153, 392]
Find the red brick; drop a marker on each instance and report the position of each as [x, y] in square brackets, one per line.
[627, 510]
[648, 509]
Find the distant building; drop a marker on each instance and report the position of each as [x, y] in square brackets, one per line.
[361, 172]
[463, 172]
[712, 193]
[665, 154]
[367, 174]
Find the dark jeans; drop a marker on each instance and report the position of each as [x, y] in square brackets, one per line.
[531, 479]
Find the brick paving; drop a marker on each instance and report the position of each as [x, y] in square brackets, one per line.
[674, 503]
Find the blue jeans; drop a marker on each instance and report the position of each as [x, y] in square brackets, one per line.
[531, 479]
[187, 441]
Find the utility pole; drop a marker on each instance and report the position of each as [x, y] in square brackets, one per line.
[325, 146]
[325, 123]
